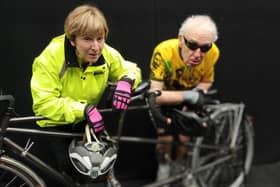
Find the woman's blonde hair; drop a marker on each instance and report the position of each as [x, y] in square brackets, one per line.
[85, 20]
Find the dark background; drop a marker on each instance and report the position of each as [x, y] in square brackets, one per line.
[247, 70]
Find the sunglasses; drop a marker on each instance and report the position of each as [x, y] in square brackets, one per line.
[194, 46]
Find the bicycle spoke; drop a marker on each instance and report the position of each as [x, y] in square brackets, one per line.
[14, 173]
[12, 180]
[235, 150]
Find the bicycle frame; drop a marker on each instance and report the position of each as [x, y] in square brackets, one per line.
[224, 153]
[24, 153]
[32, 159]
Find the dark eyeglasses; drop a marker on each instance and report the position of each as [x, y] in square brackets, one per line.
[194, 46]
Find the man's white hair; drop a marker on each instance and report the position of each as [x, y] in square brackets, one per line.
[199, 22]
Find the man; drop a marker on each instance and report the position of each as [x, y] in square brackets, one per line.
[182, 69]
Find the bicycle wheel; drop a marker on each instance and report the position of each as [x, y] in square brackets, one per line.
[15, 174]
[223, 164]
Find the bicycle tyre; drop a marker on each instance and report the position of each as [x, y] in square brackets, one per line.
[233, 172]
[13, 174]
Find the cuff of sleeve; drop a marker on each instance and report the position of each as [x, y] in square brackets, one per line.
[126, 79]
[79, 110]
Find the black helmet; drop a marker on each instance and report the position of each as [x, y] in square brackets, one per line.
[92, 158]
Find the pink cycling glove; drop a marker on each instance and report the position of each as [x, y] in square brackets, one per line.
[121, 97]
[94, 118]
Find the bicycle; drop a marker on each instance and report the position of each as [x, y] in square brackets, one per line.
[18, 166]
[210, 152]
[221, 146]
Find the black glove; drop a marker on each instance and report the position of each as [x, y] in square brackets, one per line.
[202, 99]
[94, 118]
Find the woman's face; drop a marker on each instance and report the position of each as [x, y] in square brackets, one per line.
[194, 46]
[89, 48]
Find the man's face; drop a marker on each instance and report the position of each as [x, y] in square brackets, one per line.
[194, 46]
[89, 48]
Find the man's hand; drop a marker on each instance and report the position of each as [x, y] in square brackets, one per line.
[196, 97]
[94, 118]
[121, 97]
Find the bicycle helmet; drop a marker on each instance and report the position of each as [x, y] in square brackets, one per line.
[92, 158]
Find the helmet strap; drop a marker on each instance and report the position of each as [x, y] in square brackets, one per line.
[89, 132]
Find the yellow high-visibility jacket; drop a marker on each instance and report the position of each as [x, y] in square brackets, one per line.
[61, 88]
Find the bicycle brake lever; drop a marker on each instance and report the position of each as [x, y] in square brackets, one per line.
[141, 87]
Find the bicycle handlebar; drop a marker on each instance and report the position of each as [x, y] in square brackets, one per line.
[155, 110]
[138, 93]
[190, 114]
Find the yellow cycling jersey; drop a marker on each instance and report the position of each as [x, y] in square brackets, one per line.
[167, 65]
[61, 87]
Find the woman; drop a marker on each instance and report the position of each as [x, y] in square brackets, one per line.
[70, 75]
